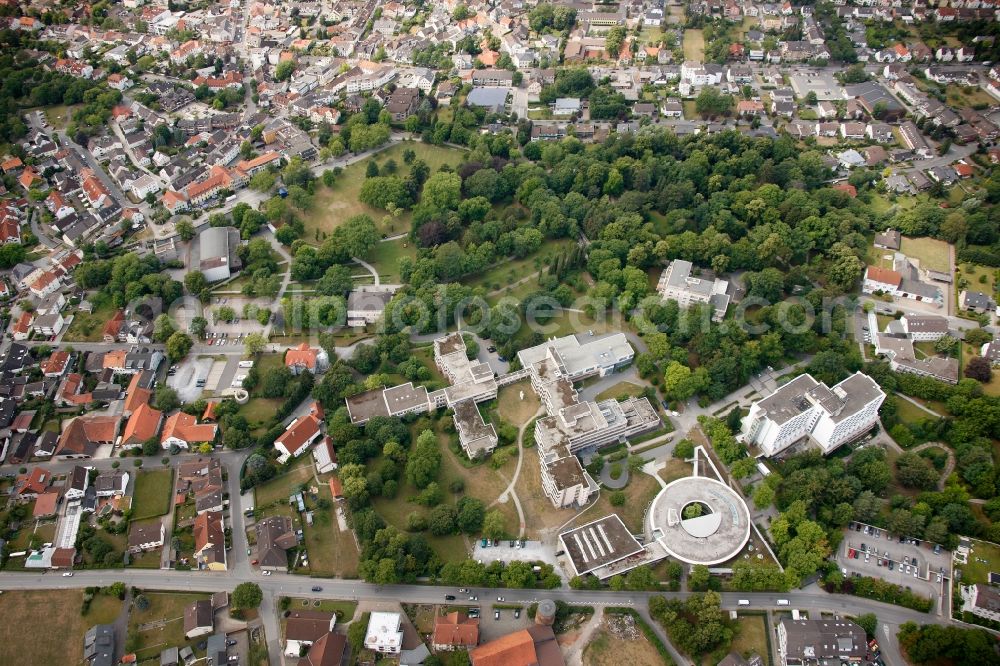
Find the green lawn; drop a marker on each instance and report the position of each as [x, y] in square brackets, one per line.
[481, 481]
[504, 274]
[59, 116]
[910, 413]
[150, 560]
[333, 205]
[751, 636]
[260, 412]
[167, 610]
[977, 572]
[620, 391]
[281, 487]
[104, 609]
[386, 255]
[694, 45]
[89, 327]
[932, 254]
[153, 491]
[977, 278]
[331, 552]
[343, 609]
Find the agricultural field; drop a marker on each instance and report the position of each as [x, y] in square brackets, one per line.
[41, 616]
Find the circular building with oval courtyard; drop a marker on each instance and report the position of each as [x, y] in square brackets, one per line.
[699, 520]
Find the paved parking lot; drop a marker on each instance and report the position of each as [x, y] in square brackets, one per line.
[879, 545]
[532, 551]
[185, 381]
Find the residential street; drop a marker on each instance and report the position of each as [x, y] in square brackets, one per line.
[280, 584]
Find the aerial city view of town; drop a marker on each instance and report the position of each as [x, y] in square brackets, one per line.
[500, 332]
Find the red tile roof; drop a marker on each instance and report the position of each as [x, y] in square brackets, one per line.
[143, 424]
[302, 355]
[301, 432]
[456, 629]
[184, 426]
[883, 275]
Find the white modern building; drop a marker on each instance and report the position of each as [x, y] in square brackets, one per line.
[982, 601]
[677, 284]
[385, 634]
[217, 252]
[830, 416]
[571, 426]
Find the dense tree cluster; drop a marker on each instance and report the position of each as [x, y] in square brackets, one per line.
[933, 644]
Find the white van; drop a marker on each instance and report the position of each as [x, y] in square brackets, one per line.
[782, 602]
[743, 602]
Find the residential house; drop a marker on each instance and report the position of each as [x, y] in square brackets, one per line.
[455, 631]
[183, 430]
[210, 541]
[300, 434]
[144, 537]
[274, 537]
[199, 619]
[303, 357]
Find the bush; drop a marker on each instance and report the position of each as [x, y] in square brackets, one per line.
[880, 590]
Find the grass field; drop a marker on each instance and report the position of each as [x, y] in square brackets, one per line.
[932, 254]
[639, 492]
[694, 45]
[89, 327]
[386, 255]
[978, 278]
[504, 274]
[606, 649]
[331, 552]
[620, 391]
[512, 408]
[751, 636]
[259, 413]
[167, 607]
[153, 490]
[343, 609]
[481, 481]
[280, 487]
[104, 609]
[910, 413]
[975, 571]
[59, 116]
[333, 205]
[47, 625]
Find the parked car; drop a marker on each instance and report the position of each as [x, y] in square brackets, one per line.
[68, 574]
[496, 615]
[266, 573]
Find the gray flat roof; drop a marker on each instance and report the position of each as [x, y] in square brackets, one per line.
[598, 544]
[363, 406]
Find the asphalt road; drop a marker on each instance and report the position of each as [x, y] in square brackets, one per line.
[290, 585]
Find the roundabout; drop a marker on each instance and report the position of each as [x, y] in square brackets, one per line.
[699, 520]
